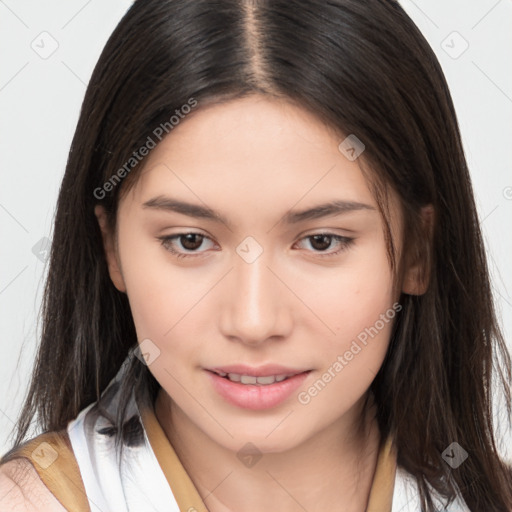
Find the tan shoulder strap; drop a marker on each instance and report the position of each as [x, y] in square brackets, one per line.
[52, 456]
[381, 493]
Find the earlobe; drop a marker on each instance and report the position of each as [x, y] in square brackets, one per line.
[109, 247]
[418, 269]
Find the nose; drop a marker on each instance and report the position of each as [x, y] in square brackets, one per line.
[256, 306]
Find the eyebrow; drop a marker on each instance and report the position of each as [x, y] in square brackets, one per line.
[329, 209]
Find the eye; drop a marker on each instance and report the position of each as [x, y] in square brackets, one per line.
[321, 242]
[188, 243]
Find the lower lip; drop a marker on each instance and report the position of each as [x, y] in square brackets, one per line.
[253, 396]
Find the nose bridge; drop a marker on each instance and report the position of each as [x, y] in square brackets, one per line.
[256, 309]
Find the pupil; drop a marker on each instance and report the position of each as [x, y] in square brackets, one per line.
[325, 241]
[190, 241]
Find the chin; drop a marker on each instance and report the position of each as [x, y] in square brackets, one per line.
[266, 439]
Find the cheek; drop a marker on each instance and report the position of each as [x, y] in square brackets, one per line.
[351, 358]
[353, 296]
[359, 307]
[161, 294]
[164, 302]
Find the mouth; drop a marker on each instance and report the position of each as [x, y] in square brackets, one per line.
[256, 388]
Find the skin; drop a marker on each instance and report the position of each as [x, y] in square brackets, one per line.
[22, 490]
[252, 160]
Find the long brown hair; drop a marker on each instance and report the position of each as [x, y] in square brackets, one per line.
[363, 68]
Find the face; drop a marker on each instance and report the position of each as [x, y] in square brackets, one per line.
[253, 255]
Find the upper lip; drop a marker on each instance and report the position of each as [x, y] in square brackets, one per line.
[259, 371]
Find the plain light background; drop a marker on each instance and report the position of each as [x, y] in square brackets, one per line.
[48, 51]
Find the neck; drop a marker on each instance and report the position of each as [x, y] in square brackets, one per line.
[334, 466]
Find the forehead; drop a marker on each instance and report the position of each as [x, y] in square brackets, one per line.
[252, 149]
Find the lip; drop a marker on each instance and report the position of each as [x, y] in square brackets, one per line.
[252, 396]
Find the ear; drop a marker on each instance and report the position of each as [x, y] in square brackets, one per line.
[416, 276]
[109, 245]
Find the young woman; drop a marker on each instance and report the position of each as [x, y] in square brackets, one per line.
[267, 288]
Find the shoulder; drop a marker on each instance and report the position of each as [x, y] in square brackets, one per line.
[22, 490]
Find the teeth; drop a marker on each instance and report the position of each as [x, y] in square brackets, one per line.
[251, 379]
[270, 379]
[247, 379]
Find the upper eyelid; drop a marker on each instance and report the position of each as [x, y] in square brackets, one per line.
[306, 234]
[302, 236]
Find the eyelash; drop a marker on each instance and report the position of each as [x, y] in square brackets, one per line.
[345, 243]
